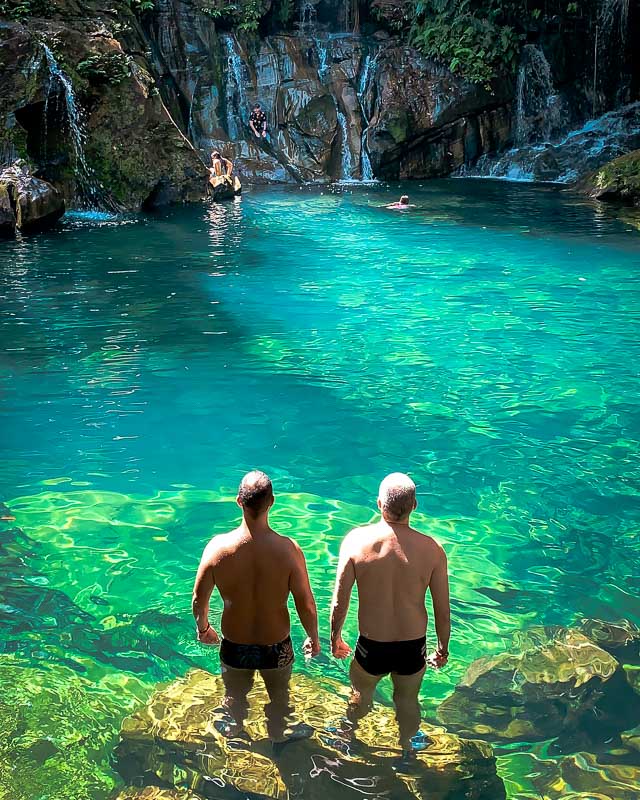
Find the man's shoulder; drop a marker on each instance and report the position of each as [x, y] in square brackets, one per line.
[221, 542]
[427, 541]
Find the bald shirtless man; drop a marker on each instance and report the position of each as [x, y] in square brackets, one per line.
[393, 566]
[255, 570]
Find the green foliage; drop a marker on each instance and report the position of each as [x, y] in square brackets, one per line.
[22, 9]
[101, 68]
[283, 12]
[244, 15]
[140, 6]
[477, 40]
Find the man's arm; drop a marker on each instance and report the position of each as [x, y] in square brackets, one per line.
[253, 127]
[204, 585]
[229, 165]
[439, 588]
[305, 603]
[345, 578]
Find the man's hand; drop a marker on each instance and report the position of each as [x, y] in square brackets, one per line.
[437, 659]
[311, 647]
[208, 636]
[340, 648]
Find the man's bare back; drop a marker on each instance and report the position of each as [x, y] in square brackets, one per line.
[255, 570]
[254, 575]
[393, 567]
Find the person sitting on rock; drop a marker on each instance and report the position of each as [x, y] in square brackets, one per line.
[393, 565]
[255, 570]
[220, 168]
[258, 122]
[402, 203]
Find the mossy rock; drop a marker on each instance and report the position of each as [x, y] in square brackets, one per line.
[173, 742]
[621, 639]
[555, 683]
[580, 776]
[618, 181]
[56, 733]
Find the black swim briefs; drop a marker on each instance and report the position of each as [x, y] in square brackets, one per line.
[256, 656]
[401, 658]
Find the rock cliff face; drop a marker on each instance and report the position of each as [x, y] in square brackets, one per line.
[89, 115]
[120, 109]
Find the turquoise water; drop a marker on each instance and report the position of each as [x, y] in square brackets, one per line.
[486, 341]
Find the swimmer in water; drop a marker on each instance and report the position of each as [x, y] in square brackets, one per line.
[402, 203]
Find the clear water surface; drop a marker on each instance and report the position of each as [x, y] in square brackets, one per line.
[486, 341]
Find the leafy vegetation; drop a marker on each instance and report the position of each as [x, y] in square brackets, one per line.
[478, 43]
[477, 39]
[101, 68]
[21, 9]
[244, 15]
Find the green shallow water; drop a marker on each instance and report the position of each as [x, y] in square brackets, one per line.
[486, 341]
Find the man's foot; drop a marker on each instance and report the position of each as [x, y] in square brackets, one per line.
[293, 734]
[420, 742]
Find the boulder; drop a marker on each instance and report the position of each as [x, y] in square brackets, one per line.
[7, 212]
[580, 776]
[224, 188]
[621, 639]
[557, 683]
[174, 742]
[618, 181]
[27, 203]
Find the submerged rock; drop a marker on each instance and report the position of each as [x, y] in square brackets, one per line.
[558, 683]
[621, 639]
[174, 742]
[618, 181]
[27, 203]
[580, 776]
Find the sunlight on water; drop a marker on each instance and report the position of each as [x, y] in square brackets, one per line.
[486, 341]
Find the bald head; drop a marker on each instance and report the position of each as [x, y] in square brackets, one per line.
[397, 496]
[255, 493]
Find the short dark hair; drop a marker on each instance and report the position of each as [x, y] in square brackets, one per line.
[257, 105]
[404, 199]
[255, 492]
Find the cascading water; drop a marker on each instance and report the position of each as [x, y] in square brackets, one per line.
[308, 17]
[235, 96]
[322, 49]
[88, 191]
[583, 150]
[538, 106]
[346, 173]
[366, 171]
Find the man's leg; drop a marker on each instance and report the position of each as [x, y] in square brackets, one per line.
[276, 682]
[237, 685]
[363, 685]
[405, 697]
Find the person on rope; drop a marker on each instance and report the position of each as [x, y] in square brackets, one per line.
[258, 122]
[393, 565]
[255, 570]
[220, 168]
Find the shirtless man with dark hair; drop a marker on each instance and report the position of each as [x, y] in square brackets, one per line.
[393, 566]
[255, 570]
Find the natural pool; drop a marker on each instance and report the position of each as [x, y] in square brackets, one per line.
[486, 341]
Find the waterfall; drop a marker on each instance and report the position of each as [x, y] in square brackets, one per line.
[366, 172]
[308, 17]
[538, 106]
[347, 163]
[89, 192]
[580, 151]
[235, 96]
[322, 49]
